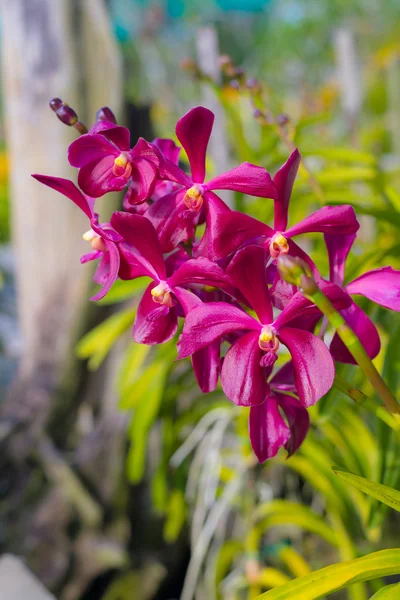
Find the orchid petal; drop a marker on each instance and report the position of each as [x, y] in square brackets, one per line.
[139, 233]
[267, 429]
[283, 181]
[206, 366]
[298, 420]
[168, 148]
[68, 189]
[246, 178]
[283, 380]
[328, 219]
[199, 271]
[97, 178]
[247, 272]
[364, 329]
[243, 379]
[118, 135]
[233, 229]
[171, 223]
[151, 330]
[212, 207]
[144, 179]
[207, 322]
[85, 258]
[312, 362]
[110, 274]
[193, 131]
[89, 149]
[382, 286]
[338, 247]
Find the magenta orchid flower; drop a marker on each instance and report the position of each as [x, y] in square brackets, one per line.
[381, 286]
[234, 229]
[164, 299]
[106, 162]
[176, 215]
[244, 368]
[116, 258]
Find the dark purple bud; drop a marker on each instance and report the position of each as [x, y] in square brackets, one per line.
[55, 104]
[67, 115]
[257, 113]
[105, 114]
[282, 120]
[234, 84]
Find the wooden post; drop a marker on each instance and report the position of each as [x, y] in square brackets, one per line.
[39, 62]
[62, 49]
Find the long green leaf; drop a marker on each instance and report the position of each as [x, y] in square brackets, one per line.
[389, 592]
[380, 492]
[96, 344]
[338, 576]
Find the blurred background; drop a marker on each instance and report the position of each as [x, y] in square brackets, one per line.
[118, 479]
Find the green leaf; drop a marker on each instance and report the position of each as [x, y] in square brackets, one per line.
[339, 175]
[124, 290]
[347, 155]
[283, 512]
[176, 516]
[389, 592]
[336, 577]
[146, 397]
[96, 344]
[380, 492]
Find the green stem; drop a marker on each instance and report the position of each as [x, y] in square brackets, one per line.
[362, 400]
[354, 346]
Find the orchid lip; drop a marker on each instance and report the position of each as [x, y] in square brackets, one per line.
[268, 341]
[194, 197]
[96, 241]
[162, 294]
[122, 166]
[278, 245]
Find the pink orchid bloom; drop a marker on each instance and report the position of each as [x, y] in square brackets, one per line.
[106, 162]
[235, 229]
[116, 258]
[176, 215]
[244, 368]
[157, 315]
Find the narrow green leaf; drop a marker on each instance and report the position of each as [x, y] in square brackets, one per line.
[176, 516]
[380, 492]
[124, 290]
[338, 576]
[389, 592]
[96, 344]
[346, 155]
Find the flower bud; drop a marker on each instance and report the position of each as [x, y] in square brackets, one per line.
[292, 269]
[55, 104]
[67, 115]
[105, 114]
[282, 120]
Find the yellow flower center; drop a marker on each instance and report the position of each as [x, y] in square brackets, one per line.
[162, 294]
[122, 166]
[96, 241]
[268, 340]
[279, 245]
[194, 198]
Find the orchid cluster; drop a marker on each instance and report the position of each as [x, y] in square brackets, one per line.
[216, 269]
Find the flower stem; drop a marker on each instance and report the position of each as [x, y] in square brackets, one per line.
[362, 400]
